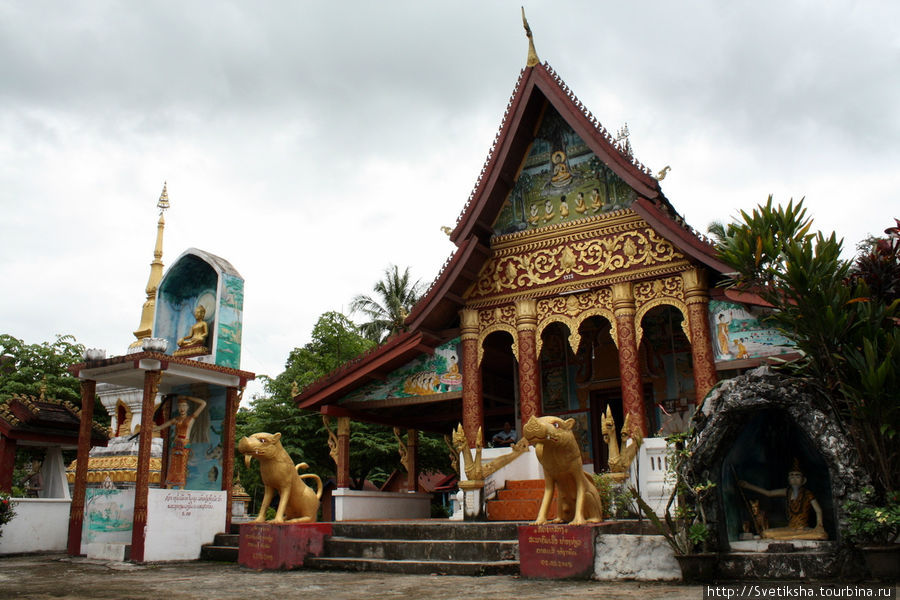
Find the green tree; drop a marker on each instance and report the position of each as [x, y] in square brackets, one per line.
[396, 294]
[373, 448]
[35, 369]
[848, 336]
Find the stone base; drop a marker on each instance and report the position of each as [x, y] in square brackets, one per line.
[272, 547]
[557, 551]
[635, 557]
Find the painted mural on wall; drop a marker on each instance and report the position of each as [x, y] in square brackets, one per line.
[108, 516]
[424, 376]
[231, 306]
[740, 333]
[561, 181]
[204, 448]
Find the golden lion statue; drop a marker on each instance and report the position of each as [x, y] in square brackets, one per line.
[296, 501]
[577, 499]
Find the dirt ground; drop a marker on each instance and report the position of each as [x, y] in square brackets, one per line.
[39, 577]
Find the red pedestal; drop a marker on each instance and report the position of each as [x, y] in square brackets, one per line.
[557, 551]
[280, 547]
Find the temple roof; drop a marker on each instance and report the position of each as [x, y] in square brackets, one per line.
[45, 421]
[435, 318]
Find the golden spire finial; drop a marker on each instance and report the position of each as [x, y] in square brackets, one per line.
[532, 54]
[145, 329]
[163, 203]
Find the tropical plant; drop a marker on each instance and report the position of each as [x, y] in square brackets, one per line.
[871, 523]
[846, 331]
[683, 524]
[396, 294]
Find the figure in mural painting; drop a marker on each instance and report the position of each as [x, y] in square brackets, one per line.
[548, 210]
[722, 335]
[561, 173]
[199, 331]
[596, 200]
[580, 206]
[176, 476]
[741, 349]
[534, 217]
[563, 207]
[799, 502]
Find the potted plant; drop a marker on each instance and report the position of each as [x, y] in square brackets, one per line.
[874, 527]
[684, 524]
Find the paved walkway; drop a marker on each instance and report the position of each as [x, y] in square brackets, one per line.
[40, 577]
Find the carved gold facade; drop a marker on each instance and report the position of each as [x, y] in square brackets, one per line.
[613, 266]
[591, 253]
[119, 469]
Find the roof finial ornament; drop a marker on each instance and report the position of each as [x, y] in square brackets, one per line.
[163, 203]
[532, 54]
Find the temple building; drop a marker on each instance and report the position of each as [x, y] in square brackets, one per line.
[575, 287]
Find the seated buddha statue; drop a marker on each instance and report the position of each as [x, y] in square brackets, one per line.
[194, 343]
[799, 502]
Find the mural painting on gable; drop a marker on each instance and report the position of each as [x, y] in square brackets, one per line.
[739, 332]
[435, 374]
[561, 181]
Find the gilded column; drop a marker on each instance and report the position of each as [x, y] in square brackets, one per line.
[76, 510]
[629, 362]
[529, 372]
[473, 406]
[412, 460]
[142, 483]
[696, 296]
[343, 452]
[228, 427]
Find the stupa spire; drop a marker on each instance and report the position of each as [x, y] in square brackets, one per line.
[532, 53]
[145, 329]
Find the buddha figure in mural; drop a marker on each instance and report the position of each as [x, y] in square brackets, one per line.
[800, 501]
[561, 173]
[176, 476]
[195, 340]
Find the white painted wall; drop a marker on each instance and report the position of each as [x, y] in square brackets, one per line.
[357, 505]
[40, 525]
[649, 470]
[179, 522]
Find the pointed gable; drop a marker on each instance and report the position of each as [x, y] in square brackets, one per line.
[548, 146]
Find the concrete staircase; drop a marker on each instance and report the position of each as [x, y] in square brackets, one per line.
[414, 547]
[519, 501]
[224, 547]
[445, 547]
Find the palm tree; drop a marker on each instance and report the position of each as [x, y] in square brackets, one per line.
[396, 295]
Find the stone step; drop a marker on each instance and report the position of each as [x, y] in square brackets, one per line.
[520, 494]
[425, 530]
[219, 553]
[227, 539]
[415, 567]
[517, 510]
[423, 550]
[518, 484]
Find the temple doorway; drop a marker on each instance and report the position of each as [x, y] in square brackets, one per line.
[500, 389]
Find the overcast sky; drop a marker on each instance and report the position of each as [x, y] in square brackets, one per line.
[311, 144]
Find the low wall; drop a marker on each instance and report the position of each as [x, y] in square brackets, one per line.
[637, 557]
[40, 525]
[358, 505]
[179, 522]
